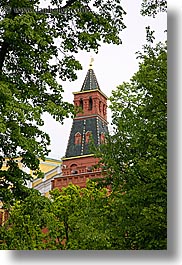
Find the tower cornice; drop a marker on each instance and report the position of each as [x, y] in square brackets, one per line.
[75, 157]
[91, 116]
[89, 91]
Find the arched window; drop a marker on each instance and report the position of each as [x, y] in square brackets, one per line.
[104, 109]
[78, 138]
[81, 103]
[87, 137]
[100, 106]
[90, 103]
[73, 168]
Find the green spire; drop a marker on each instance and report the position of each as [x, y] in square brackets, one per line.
[90, 82]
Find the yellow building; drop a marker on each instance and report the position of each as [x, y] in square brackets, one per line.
[50, 167]
[45, 166]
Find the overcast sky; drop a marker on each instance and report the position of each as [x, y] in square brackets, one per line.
[112, 66]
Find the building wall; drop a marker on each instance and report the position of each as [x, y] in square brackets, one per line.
[77, 170]
[45, 185]
[80, 164]
[99, 103]
[76, 179]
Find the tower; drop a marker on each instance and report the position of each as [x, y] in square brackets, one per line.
[90, 122]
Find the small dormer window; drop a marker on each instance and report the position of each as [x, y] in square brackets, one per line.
[87, 137]
[90, 103]
[78, 138]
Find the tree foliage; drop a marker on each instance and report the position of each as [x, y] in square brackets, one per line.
[153, 7]
[31, 225]
[133, 215]
[83, 213]
[36, 47]
[73, 219]
[135, 156]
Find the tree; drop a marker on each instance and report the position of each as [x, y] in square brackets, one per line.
[36, 47]
[83, 211]
[73, 218]
[31, 225]
[135, 156]
[153, 7]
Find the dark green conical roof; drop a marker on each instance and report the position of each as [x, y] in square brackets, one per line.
[90, 82]
[90, 124]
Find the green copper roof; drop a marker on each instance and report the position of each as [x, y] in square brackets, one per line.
[90, 82]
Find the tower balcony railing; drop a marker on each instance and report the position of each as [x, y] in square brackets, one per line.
[80, 170]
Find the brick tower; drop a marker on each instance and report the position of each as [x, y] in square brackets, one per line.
[91, 121]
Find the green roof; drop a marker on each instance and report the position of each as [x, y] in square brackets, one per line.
[90, 82]
[94, 125]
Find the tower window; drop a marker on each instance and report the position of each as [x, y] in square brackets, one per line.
[87, 137]
[90, 103]
[104, 109]
[100, 107]
[78, 138]
[73, 168]
[81, 103]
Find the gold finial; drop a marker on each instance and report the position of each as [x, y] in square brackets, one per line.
[91, 61]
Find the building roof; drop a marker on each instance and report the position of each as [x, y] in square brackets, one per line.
[94, 125]
[90, 82]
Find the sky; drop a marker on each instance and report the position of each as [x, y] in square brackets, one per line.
[113, 65]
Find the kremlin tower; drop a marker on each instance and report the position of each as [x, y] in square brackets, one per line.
[90, 122]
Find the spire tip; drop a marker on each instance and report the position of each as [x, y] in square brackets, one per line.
[91, 62]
